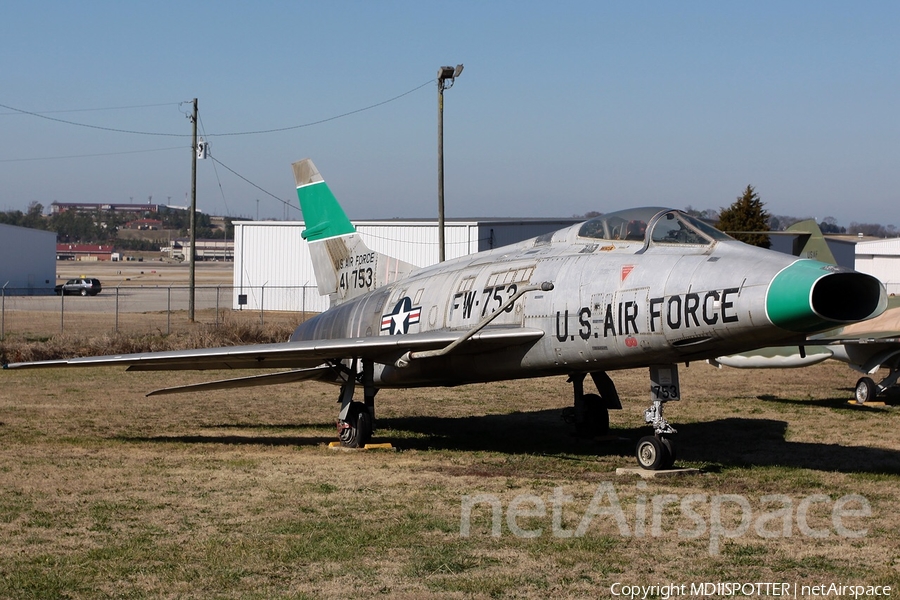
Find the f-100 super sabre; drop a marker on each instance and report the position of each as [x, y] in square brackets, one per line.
[642, 287]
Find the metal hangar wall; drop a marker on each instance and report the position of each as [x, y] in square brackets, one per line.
[28, 266]
[273, 271]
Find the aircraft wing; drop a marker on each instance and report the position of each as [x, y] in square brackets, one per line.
[298, 355]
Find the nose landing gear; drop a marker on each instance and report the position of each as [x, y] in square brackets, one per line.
[657, 451]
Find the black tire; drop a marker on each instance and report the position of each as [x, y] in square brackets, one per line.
[358, 430]
[84, 292]
[669, 446]
[866, 390]
[651, 454]
[591, 416]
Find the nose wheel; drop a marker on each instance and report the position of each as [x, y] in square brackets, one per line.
[654, 453]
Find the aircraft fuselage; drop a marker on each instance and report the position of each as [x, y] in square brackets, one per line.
[615, 304]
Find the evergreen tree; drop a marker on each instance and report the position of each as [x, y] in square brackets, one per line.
[746, 214]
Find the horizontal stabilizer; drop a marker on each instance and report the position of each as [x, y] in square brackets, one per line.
[251, 381]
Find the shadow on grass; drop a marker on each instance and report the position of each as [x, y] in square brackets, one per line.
[731, 442]
[725, 442]
[842, 403]
[761, 442]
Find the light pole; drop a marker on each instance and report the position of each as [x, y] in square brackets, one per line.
[445, 79]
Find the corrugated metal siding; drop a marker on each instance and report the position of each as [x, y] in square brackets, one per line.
[272, 266]
[890, 247]
[881, 258]
[417, 242]
[494, 234]
[29, 260]
[271, 259]
[885, 268]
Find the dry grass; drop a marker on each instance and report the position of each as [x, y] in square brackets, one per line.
[104, 492]
[231, 332]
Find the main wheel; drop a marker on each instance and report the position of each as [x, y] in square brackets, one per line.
[591, 416]
[669, 446]
[651, 453]
[356, 431]
[866, 390]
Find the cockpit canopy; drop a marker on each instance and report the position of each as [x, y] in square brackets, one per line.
[651, 224]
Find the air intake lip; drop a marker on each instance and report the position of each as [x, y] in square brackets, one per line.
[810, 296]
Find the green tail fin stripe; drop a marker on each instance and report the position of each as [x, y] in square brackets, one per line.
[323, 216]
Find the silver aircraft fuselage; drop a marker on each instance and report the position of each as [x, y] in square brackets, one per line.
[669, 289]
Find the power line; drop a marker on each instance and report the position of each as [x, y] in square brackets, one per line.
[235, 173]
[7, 160]
[48, 112]
[319, 122]
[280, 129]
[113, 129]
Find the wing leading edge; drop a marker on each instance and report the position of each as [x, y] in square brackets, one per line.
[297, 355]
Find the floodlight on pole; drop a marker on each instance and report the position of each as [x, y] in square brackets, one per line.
[445, 78]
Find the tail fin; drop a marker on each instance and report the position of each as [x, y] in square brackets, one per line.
[810, 243]
[344, 266]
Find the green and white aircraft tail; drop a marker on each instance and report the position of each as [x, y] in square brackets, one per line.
[344, 266]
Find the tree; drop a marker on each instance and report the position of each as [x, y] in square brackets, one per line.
[746, 214]
[830, 225]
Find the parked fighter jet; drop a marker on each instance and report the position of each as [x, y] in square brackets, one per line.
[865, 347]
[648, 287]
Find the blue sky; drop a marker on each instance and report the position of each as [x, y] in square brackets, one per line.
[562, 108]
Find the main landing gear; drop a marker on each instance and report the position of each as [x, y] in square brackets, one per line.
[866, 388]
[590, 412]
[356, 420]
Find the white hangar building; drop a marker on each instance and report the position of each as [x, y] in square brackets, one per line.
[273, 270]
[27, 261]
[881, 258]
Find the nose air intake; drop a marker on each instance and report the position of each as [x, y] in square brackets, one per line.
[848, 297]
[810, 296]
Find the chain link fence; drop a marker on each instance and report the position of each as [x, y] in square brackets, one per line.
[161, 310]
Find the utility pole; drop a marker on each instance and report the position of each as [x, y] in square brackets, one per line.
[193, 214]
[446, 77]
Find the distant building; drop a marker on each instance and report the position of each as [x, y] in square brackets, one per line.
[144, 224]
[85, 252]
[27, 265]
[61, 207]
[207, 249]
[881, 258]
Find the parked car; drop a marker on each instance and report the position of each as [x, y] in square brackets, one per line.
[84, 286]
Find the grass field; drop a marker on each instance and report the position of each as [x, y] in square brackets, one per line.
[107, 493]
